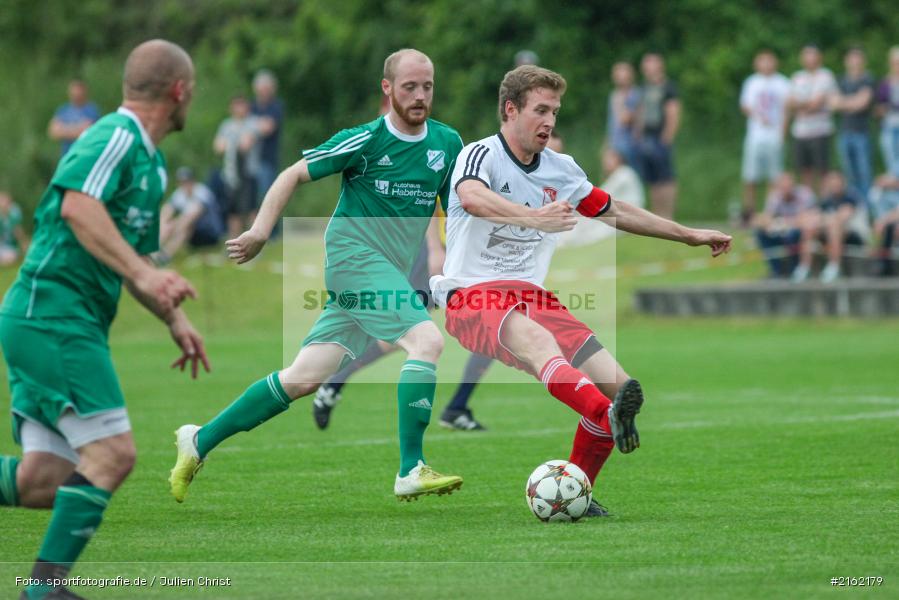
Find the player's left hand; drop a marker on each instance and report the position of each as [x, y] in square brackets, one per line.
[191, 344]
[245, 247]
[717, 241]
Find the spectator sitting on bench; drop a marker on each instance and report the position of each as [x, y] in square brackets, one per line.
[884, 201]
[788, 223]
[844, 220]
[180, 215]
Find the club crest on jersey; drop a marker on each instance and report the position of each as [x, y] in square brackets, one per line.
[549, 195]
[436, 159]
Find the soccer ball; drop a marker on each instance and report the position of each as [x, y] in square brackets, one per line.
[558, 490]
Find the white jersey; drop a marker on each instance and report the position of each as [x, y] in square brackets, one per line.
[765, 97]
[478, 250]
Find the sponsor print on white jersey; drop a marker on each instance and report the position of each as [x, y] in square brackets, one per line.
[479, 250]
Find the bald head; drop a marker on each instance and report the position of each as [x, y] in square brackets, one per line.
[402, 57]
[153, 67]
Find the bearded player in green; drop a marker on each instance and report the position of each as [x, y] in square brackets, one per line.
[96, 223]
[393, 171]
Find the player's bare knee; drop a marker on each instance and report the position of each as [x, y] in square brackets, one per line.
[423, 342]
[37, 488]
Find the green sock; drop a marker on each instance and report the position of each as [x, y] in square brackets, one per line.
[418, 380]
[77, 512]
[259, 403]
[9, 493]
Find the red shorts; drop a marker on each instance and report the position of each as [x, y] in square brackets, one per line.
[475, 315]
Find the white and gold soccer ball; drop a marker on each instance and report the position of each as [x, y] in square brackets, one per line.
[558, 490]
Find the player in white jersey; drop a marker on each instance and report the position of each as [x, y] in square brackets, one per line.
[510, 197]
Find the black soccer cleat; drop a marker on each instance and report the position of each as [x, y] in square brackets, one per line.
[326, 398]
[596, 510]
[460, 420]
[622, 413]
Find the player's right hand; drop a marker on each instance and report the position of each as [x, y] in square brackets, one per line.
[245, 247]
[167, 289]
[555, 217]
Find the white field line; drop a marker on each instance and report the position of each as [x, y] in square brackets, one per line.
[550, 431]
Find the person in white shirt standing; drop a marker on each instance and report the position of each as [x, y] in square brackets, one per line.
[812, 89]
[509, 198]
[763, 99]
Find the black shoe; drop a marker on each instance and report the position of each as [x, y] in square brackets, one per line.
[596, 510]
[622, 413]
[326, 398]
[460, 420]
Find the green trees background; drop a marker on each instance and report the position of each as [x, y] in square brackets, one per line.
[328, 56]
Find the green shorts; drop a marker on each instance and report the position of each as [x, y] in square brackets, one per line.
[368, 300]
[55, 365]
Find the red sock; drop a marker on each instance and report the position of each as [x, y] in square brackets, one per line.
[574, 389]
[592, 446]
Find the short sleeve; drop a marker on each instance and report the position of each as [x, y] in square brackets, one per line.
[578, 188]
[96, 162]
[92, 112]
[340, 153]
[883, 92]
[744, 95]
[671, 92]
[473, 162]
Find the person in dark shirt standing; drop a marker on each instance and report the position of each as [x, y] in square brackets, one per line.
[270, 111]
[658, 119]
[853, 102]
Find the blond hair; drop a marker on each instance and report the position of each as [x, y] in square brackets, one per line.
[521, 80]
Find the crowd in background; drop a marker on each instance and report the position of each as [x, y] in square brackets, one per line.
[825, 209]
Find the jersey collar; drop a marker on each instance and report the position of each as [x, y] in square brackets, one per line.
[405, 136]
[526, 168]
[148, 143]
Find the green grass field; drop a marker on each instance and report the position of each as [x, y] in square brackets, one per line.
[769, 465]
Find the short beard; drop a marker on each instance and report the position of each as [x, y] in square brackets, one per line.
[404, 113]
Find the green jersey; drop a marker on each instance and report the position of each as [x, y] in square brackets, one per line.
[116, 162]
[391, 182]
[8, 224]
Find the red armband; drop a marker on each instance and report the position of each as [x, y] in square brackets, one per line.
[596, 203]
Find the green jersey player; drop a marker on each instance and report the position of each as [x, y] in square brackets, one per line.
[95, 224]
[393, 170]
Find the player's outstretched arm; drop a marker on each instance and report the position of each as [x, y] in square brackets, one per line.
[633, 219]
[95, 230]
[247, 245]
[478, 200]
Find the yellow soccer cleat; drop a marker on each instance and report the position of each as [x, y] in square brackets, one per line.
[188, 463]
[423, 480]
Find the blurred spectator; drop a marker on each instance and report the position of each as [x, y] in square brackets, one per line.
[853, 102]
[623, 184]
[885, 203]
[526, 57]
[180, 216]
[623, 103]
[555, 143]
[787, 228]
[844, 220]
[763, 99]
[236, 140]
[13, 239]
[888, 108]
[810, 97]
[73, 117]
[270, 111]
[658, 119]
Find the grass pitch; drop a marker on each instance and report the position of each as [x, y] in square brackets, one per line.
[769, 464]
